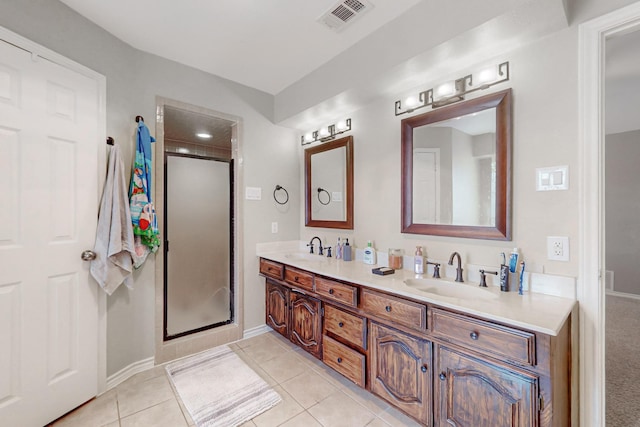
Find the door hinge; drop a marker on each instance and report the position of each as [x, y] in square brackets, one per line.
[166, 246]
[540, 403]
[321, 311]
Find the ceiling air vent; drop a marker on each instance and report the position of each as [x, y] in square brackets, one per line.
[340, 15]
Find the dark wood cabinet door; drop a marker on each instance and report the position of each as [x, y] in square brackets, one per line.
[472, 393]
[400, 371]
[277, 308]
[305, 322]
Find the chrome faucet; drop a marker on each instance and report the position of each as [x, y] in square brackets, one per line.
[458, 268]
[311, 245]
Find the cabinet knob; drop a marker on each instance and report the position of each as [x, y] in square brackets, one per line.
[269, 269]
[388, 308]
[442, 376]
[341, 324]
[296, 278]
[423, 368]
[474, 335]
[330, 291]
[339, 359]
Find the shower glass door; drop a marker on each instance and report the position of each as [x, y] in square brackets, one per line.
[198, 252]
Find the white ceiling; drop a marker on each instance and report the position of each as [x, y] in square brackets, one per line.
[264, 44]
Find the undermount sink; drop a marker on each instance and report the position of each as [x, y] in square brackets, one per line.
[302, 256]
[450, 289]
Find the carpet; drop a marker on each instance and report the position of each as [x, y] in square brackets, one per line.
[219, 389]
[622, 361]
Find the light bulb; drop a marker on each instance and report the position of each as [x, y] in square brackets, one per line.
[324, 132]
[203, 135]
[308, 137]
[341, 125]
[445, 89]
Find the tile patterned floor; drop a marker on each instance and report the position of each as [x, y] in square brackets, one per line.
[312, 395]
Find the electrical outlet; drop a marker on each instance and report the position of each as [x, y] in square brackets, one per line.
[558, 248]
[274, 227]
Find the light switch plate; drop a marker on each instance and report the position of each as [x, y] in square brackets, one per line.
[552, 178]
[253, 193]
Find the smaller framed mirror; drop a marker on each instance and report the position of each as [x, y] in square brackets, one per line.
[329, 184]
[456, 170]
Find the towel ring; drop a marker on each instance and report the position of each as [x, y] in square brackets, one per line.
[322, 190]
[278, 188]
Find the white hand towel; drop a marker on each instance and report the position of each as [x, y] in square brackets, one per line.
[114, 246]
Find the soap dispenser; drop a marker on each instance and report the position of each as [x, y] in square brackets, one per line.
[346, 250]
[369, 254]
[418, 266]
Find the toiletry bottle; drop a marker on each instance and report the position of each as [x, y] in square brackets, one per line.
[338, 249]
[504, 274]
[513, 260]
[346, 250]
[418, 266]
[369, 254]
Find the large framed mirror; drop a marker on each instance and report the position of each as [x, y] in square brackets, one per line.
[329, 184]
[456, 170]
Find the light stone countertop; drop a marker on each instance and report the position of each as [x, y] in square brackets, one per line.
[533, 311]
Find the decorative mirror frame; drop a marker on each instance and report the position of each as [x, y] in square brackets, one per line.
[502, 230]
[309, 221]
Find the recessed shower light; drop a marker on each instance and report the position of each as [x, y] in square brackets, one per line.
[203, 135]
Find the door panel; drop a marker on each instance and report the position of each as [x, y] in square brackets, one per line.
[48, 183]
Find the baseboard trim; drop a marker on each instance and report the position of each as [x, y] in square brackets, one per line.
[129, 371]
[254, 332]
[622, 294]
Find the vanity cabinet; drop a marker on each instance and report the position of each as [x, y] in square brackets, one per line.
[400, 371]
[440, 366]
[277, 307]
[469, 392]
[305, 322]
[295, 316]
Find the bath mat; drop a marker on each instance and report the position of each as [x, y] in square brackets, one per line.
[219, 389]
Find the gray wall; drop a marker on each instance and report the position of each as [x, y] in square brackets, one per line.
[134, 79]
[622, 215]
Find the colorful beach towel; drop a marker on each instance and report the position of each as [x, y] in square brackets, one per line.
[143, 214]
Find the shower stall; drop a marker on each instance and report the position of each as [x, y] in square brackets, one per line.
[198, 227]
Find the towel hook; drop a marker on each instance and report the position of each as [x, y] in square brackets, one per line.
[320, 191]
[139, 119]
[110, 141]
[278, 188]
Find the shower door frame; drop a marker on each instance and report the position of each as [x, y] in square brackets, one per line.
[165, 335]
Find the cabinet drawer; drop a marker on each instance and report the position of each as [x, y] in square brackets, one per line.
[299, 278]
[397, 310]
[345, 325]
[484, 337]
[347, 361]
[337, 291]
[271, 269]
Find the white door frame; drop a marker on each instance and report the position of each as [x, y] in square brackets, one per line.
[101, 84]
[591, 289]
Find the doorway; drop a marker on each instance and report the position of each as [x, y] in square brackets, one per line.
[591, 292]
[198, 226]
[622, 227]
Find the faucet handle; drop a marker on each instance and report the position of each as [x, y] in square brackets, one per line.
[328, 248]
[483, 277]
[310, 245]
[436, 269]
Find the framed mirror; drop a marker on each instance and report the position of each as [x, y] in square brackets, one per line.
[456, 170]
[329, 184]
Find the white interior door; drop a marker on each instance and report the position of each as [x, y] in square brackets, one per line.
[426, 181]
[48, 210]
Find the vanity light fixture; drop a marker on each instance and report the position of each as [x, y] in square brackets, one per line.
[326, 133]
[455, 90]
